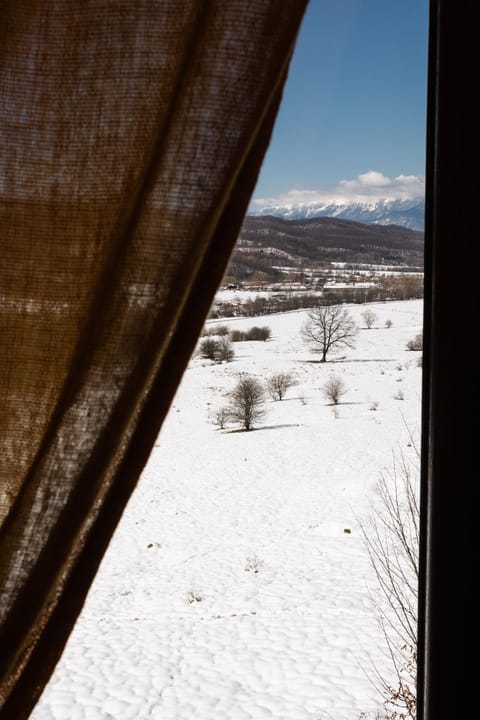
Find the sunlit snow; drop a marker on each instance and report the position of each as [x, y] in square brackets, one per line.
[237, 584]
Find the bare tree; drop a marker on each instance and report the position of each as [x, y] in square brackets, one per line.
[208, 348]
[246, 400]
[221, 417]
[220, 350]
[224, 351]
[278, 384]
[334, 388]
[369, 318]
[329, 327]
[391, 537]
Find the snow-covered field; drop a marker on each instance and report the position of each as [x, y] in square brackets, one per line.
[231, 590]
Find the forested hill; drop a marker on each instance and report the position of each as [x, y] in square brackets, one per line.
[267, 242]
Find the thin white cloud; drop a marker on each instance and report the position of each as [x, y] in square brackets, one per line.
[368, 187]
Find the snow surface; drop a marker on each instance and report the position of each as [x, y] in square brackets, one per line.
[231, 590]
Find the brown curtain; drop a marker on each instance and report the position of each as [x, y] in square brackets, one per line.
[131, 136]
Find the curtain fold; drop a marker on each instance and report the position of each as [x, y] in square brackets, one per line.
[131, 137]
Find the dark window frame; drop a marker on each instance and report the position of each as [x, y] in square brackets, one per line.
[446, 679]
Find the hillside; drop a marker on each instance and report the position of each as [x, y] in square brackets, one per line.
[273, 246]
[238, 585]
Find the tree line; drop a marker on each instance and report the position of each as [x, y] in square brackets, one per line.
[409, 287]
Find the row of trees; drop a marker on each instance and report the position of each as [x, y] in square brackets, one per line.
[246, 400]
[217, 345]
[406, 287]
[255, 306]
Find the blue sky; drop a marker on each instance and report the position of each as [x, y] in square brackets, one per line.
[354, 107]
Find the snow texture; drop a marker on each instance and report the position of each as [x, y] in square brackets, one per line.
[237, 586]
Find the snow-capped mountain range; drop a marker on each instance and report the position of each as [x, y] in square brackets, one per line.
[406, 213]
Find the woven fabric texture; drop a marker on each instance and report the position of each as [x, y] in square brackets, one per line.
[131, 137]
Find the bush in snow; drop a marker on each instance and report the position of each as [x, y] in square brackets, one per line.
[219, 350]
[208, 348]
[237, 336]
[254, 333]
[218, 330]
[278, 384]
[224, 351]
[220, 418]
[258, 333]
[221, 330]
[334, 388]
[369, 318]
[416, 343]
[246, 401]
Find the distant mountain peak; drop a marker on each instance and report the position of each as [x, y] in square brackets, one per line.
[405, 213]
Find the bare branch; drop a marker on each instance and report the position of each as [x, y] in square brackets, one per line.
[391, 537]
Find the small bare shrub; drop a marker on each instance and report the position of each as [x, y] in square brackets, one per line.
[416, 343]
[278, 384]
[208, 348]
[221, 330]
[388, 323]
[374, 405]
[237, 336]
[369, 318]
[258, 333]
[334, 389]
[220, 418]
[224, 351]
[220, 349]
[399, 395]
